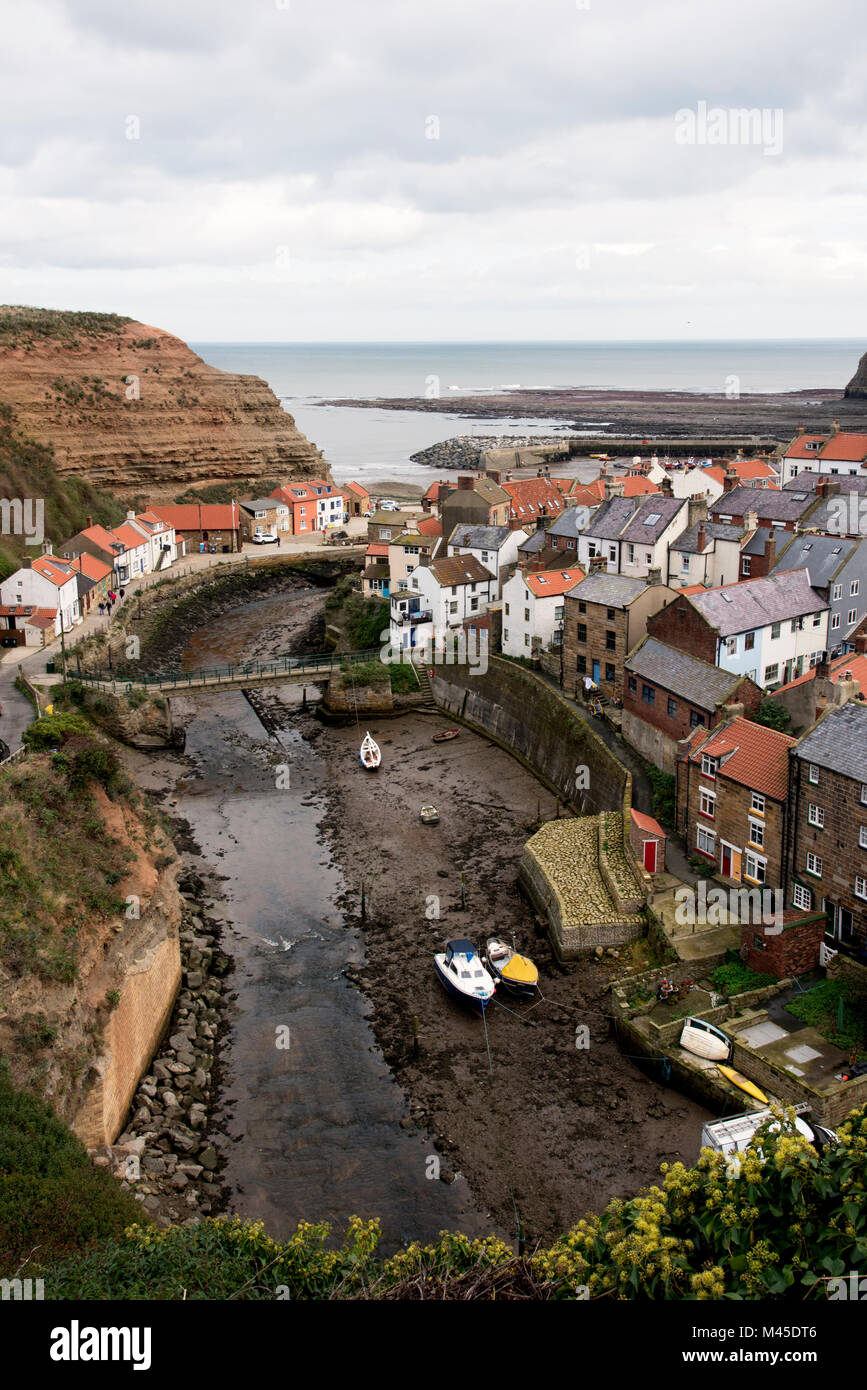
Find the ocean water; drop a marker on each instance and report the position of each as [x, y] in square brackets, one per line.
[371, 444]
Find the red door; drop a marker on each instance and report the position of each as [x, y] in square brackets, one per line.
[726, 864]
[650, 856]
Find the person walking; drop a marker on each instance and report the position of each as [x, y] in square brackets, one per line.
[101, 609]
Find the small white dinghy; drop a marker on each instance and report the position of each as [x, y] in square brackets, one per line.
[370, 755]
[704, 1040]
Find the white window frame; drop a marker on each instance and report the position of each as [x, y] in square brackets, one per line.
[757, 804]
[705, 837]
[709, 765]
[755, 866]
[757, 833]
[812, 861]
[816, 815]
[862, 836]
[707, 803]
[802, 897]
[813, 774]
[860, 889]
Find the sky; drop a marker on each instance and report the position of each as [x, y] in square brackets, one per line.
[315, 170]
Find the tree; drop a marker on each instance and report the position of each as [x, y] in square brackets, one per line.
[772, 715]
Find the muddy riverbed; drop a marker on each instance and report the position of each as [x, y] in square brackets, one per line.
[328, 1107]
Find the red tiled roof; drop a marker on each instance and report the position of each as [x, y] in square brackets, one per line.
[288, 491]
[848, 448]
[647, 823]
[532, 496]
[377, 548]
[798, 447]
[89, 565]
[759, 757]
[429, 526]
[553, 582]
[357, 489]
[59, 572]
[856, 662]
[747, 470]
[101, 536]
[207, 516]
[43, 618]
[130, 537]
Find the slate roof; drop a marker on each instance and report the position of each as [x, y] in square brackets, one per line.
[757, 541]
[696, 681]
[537, 541]
[572, 523]
[261, 504]
[687, 541]
[839, 742]
[614, 590]
[821, 556]
[480, 537]
[754, 603]
[459, 569]
[751, 754]
[806, 481]
[770, 504]
[627, 518]
[485, 488]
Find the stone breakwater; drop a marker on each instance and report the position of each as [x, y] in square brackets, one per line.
[164, 1156]
[465, 450]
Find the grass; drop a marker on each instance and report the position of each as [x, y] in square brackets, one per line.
[820, 1007]
[53, 1202]
[23, 326]
[737, 978]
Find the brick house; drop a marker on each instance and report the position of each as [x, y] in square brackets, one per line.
[475, 502]
[770, 629]
[532, 499]
[827, 848]
[264, 516]
[732, 801]
[668, 695]
[605, 616]
[781, 509]
[829, 683]
[793, 951]
[357, 499]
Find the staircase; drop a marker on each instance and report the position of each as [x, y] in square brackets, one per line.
[429, 705]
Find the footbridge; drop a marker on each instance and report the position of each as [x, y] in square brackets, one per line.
[308, 667]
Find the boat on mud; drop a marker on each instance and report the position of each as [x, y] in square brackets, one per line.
[461, 973]
[429, 815]
[444, 735]
[370, 754]
[704, 1040]
[515, 972]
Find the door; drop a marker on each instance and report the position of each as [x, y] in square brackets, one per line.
[726, 862]
[650, 856]
[596, 673]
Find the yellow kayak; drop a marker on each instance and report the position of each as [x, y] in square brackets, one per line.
[744, 1083]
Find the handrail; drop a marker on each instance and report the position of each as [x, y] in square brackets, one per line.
[302, 663]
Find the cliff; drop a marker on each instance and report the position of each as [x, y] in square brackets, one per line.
[134, 411]
[857, 388]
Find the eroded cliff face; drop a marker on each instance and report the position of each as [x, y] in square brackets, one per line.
[135, 411]
[857, 387]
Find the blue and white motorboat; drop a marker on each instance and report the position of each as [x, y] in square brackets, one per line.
[462, 974]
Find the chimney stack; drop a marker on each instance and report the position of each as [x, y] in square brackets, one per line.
[730, 480]
[734, 710]
[26, 562]
[598, 562]
[654, 576]
[701, 537]
[90, 521]
[697, 509]
[800, 430]
[666, 487]
[495, 477]
[751, 520]
[860, 642]
[770, 554]
[835, 426]
[47, 547]
[465, 484]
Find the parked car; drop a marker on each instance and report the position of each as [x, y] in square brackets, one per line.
[263, 538]
[389, 506]
[8, 641]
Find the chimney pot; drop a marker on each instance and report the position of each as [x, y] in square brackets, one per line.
[730, 479]
[90, 521]
[835, 426]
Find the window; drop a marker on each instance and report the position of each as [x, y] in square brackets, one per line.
[854, 587]
[772, 671]
[612, 553]
[570, 545]
[814, 865]
[582, 606]
[633, 685]
[860, 886]
[836, 592]
[526, 615]
[817, 619]
[454, 588]
[755, 867]
[684, 564]
[672, 707]
[802, 897]
[696, 719]
[708, 765]
[558, 614]
[453, 608]
[835, 621]
[758, 805]
[707, 803]
[609, 613]
[862, 836]
[852, 616]
[796, 624]
[757, 832]
[816, 816]
[610, 641]
[813, 774]
[731, 646]
[581, 635]
[775, 630]
[609, 672]
[705, 841]
[484, 557]
[864, 793]
[648, 694]
[526, 639]
[631, 554]
[749, 641]
[507, 610]
[746, 564]
[581, 664]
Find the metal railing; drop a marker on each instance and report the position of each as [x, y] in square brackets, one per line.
[307, 663]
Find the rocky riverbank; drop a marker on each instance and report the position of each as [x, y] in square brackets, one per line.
[464, 451]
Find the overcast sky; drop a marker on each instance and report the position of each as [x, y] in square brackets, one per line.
[281, 182]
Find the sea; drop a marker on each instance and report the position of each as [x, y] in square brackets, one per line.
[372, 445]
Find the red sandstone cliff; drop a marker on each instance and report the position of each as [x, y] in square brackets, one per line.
[136, 412]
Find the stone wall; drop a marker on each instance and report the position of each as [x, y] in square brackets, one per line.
[529, 719]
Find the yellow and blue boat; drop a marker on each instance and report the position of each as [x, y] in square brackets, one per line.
[514, 972]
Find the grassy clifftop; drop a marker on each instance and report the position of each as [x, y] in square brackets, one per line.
[22, 326]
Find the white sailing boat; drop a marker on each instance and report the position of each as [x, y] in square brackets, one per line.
[370, 754]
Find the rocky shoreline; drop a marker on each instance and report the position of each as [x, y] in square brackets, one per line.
[465, 450]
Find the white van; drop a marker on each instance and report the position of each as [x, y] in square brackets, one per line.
[733, 1134]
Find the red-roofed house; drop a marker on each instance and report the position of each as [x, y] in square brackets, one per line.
[48, 583]
[315, 505]
[94, 580]
[837, 452]
[533, 610]
[531, 499]
[434, 496]
[647, 838]
[209, 527]
[828, 683]
[357, 499]
[732, 792]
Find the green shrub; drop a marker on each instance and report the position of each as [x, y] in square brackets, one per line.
[738, 978]
[52, 731]
[820, 1007]
[663, 788]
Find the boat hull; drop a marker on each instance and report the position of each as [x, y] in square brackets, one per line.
[743, 1083]
[477, 1003]
[702, 1042]
[516, 989]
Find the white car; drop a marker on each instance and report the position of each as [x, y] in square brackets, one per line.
[389, 506]
[263, 538]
